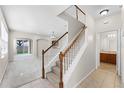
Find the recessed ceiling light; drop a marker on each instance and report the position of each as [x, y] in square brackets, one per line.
[104, 12]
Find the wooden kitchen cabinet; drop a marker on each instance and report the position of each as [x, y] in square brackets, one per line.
[108, 57]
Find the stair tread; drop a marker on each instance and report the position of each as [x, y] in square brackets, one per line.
[57, 63]
[56, 67]
[56, 70]
[54, 75]
[53, 78]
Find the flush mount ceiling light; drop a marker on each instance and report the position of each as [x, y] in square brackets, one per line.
[104, 12]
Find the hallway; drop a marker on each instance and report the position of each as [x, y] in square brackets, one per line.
[104, 77]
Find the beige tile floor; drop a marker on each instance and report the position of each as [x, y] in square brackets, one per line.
[104, 77]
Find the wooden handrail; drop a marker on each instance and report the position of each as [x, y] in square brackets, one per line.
[71, 44]
[43, 69]
[44, 51]
[62, 55]
[79, 9]
[55, 42]
[61, 70]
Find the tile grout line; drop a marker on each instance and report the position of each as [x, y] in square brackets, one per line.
[102, 82]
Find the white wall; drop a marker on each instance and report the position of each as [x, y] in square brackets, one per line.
[87, 62]
[114, 23]
[3, 61]
[122, 46]
[18, 35]
[74, 26]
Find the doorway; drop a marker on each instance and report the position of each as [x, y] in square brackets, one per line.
[108, 49]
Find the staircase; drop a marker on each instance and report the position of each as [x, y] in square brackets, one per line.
[65, 58]
[54, 76]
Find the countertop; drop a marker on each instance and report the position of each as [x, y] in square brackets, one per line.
[108, 52]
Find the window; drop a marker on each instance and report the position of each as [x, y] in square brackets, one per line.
[23, 46]
[4, 34]
[3, 40]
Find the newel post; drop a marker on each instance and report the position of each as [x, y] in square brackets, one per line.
[43, 70]
[61, 70]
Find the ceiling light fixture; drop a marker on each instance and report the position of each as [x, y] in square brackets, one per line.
[104, 12]
[52, 35]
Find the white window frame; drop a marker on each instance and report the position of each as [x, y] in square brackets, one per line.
[29, 46]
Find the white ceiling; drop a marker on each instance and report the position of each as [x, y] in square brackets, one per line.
[94, 10]
[39, 19]
[42, 19]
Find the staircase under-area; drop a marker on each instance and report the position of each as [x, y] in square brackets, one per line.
[65, 58]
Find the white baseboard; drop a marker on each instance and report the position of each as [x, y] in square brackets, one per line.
[85, 77]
